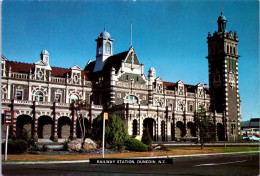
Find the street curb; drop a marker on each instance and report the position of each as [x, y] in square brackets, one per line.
[149, 157]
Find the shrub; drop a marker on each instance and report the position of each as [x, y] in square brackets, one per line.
[135, 145]
[45, 148]
[17, 146]
[146, 138]
[150, 148]
[116, 133]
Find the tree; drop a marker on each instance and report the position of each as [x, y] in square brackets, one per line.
[116, 132]
[78, 107]
[146, 137]
[205, 128]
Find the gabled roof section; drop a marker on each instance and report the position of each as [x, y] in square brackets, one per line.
[200, 85]
[4, 58]
[40, 62]
[159, 79]
[76, 67]
[180, 82]
[132, 57]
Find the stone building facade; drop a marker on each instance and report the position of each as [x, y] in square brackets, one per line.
[40, 95]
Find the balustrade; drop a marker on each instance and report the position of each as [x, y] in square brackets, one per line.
[19, 75]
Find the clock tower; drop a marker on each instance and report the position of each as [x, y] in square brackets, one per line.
[223, 77]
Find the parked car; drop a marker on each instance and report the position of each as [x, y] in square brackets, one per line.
[253, 138]
[244, 137]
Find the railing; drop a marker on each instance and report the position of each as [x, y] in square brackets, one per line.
[191, 94]
[5, 101]
[131, 85]
[58, 80]
[19, 75]
[169, 92]
[44, 103]
[63, 104]
[25, 102]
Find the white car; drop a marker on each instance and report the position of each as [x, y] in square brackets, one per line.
[253, 138]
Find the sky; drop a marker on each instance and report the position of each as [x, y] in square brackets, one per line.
[169, 35]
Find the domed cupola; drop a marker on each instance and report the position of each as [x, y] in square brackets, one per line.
[45, 52]
[104, 35]
[222, 23]
[45, 56]
[104, 49]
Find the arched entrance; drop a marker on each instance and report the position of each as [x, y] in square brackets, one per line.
[163, 131]
[64, 127]
[135, 127]
[24, 125]
[45, 127]
[220, 132]
[151, 125]
[180, 129]
[191, 129]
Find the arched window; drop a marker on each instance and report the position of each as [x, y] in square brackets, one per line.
[99, 49]
[180, 107]
[227, 49]
[231, 49]
[108, 48]
[159, 104]
[38, 96]
[200, 108]
[234, 50]
[73, 97]
[131, 99]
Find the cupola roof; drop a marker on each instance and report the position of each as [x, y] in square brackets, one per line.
[45, 52]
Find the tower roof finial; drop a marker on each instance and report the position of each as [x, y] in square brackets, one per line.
[221, 7]
[105, 27]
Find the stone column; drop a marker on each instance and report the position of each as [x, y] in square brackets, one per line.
[185, 123]
[140, 126]
[174, 126]
[55, 124]
[73, 127]
[35, 126]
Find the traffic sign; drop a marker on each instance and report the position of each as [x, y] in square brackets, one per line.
[9, 118]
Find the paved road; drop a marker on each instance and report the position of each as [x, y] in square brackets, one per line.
[234, 164]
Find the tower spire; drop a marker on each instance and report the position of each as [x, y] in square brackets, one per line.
[221, 7]
[130, 33]
[105, 27]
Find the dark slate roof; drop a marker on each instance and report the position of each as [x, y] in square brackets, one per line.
[112, 61]
[20, 67]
